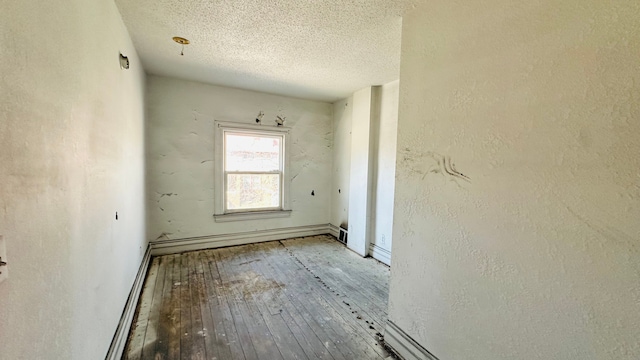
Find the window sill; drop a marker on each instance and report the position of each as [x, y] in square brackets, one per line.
[252, 215]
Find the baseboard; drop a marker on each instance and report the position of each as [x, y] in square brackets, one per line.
[119, 340]
[174, 246]
[381, 254]
[403, 345]
[334, 231]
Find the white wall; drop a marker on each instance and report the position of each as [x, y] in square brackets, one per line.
[364, 153]
[363, 123]
[71, 132]
[180, 156]
[384, 172]
[537, 256]
[341, 151]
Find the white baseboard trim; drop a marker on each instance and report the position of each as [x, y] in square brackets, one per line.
[119, 340]
[381, 254]
[174, 246]
[403, 345]
[334, 231]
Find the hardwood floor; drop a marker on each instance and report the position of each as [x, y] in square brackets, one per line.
[306, 298]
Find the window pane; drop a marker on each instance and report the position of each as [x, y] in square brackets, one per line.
[253, 191]
[252, 152]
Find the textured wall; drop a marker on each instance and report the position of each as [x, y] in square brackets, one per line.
[377, 150]
[516, 231]
[341, 150]
[384, 164]
[71, 129]
[180, 156]
[361, 171]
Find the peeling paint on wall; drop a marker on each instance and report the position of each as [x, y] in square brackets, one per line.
[180, 142]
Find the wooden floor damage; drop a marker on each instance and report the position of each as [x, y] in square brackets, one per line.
[306, 298]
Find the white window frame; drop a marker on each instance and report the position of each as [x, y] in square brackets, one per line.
[222, 214]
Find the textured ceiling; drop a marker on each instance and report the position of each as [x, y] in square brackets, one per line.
[322, 50]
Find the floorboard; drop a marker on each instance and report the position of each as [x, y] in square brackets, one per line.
[298, 299]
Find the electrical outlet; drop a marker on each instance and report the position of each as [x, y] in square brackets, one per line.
[4, 269]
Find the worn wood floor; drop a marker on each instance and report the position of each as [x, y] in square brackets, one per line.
[306, 298]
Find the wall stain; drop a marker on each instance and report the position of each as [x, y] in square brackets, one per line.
[163, 195]
[440, 164]
[164, 236]
[449, 168]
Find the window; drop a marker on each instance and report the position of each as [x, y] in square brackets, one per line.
[251, 164]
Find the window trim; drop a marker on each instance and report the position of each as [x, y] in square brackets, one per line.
[221, 214]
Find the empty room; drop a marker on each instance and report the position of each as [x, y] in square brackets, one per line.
[362, 179]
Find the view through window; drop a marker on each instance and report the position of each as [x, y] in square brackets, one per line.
[253, 168]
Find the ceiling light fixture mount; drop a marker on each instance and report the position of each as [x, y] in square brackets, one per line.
[182, 41]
